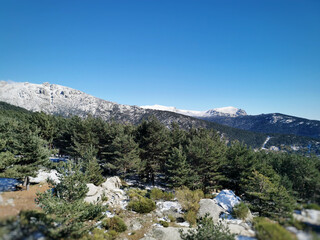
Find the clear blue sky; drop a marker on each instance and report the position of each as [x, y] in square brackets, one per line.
[262, 56]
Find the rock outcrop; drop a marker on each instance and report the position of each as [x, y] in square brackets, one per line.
[43, 176]
[110, 190]
[211, 207]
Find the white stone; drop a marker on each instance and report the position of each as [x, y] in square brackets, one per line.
[43, 175]
[227, 200]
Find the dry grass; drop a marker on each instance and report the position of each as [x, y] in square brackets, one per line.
[14, 202]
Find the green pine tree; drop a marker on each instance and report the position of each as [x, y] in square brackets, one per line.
[154, 143]
[72, 216]
[177, 169]
[269, 199]
[206, 154]
[92, 169]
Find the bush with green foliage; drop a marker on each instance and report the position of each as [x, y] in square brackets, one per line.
[100, 234]
[207, 230]
[268, 230]
[115, 223]
[312, 206]
[240, 211]
[189, 201]
[164, 223]
[157, 194]
[142, 205]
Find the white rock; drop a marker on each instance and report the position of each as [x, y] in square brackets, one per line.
[212, 208]
[112, 183]
[227, 200]
[43, 175]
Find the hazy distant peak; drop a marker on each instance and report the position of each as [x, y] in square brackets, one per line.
[227, 111]
[224, 111]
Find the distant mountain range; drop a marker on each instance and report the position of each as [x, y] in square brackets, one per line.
[264, 123]
[274, 131]
[217, 112]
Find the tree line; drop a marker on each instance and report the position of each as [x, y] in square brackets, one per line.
[198, 158]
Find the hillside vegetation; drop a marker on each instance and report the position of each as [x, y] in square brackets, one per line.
[199, 159]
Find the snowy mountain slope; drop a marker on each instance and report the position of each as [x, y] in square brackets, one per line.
[65, 101]
[224, 111]
[272, 123]
[56, 99]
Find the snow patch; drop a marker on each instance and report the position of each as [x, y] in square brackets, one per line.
[227, 200]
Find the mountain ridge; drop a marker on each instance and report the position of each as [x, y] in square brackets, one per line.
[65, 101]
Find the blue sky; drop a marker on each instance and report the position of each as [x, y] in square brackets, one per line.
[261, 56]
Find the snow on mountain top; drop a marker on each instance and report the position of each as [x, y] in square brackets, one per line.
[224, 111]
[57, 99]
[228, 110]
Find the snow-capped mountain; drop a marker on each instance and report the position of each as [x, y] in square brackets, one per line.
[223, 112]
[232, 123]
[57, 99]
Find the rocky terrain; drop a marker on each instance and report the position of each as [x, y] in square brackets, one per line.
[150, 226]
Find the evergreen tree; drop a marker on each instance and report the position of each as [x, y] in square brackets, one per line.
[22, 150]
[72, 216]
[177, 169]
[153, 141]
[92, 169]
[82, 136]
[206, 153]
[269, 199]
[240, 162]
[126, 153]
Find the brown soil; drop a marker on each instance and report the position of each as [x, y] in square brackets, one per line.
[14, 202]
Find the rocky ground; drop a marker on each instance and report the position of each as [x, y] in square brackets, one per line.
[147, 226]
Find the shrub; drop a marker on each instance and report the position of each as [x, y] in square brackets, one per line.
[312, 206]
[164, 223]
[135, 193]
[115, 223]
[191, 217]
[157, 194]
[268, 230]
[206, 229]
[100, 234]
[142, 205]
[171, 218]
[240, 211]
[188, 199]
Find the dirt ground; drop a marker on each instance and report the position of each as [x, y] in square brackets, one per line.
[11, 203]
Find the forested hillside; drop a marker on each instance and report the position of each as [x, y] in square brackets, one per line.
[272, 183]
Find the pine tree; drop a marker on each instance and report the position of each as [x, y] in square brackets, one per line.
[72, 216]
[82, 136]
[127, 154]
[153, 141]
[177, 169]
[269, 199]
[240, 162]
[206, 154]
[92, 169]
[28, 149]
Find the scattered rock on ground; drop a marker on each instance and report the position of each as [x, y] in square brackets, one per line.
[239, 229]
[212, 208]
[166, 208]
[169, 233]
